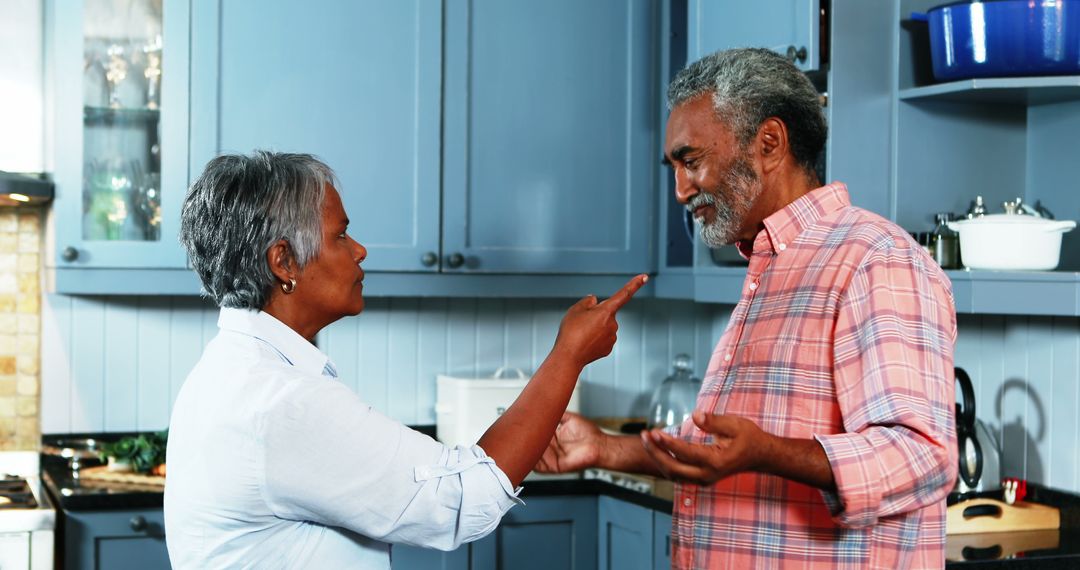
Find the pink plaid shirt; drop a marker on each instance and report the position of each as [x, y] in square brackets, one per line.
[844, 333]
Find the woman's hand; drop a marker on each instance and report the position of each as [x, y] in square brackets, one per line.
[587, 332]
[577, 444]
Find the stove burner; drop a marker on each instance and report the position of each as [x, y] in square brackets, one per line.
[15, 493]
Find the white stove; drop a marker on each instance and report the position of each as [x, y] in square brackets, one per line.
[27, 517]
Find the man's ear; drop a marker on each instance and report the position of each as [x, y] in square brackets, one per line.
[773, 147]
[281, 261]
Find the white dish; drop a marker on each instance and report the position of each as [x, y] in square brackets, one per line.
[1011, 242]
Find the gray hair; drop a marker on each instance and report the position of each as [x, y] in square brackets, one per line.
[749, 85]
[239, 207]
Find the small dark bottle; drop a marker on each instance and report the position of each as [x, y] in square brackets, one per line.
[945, 243]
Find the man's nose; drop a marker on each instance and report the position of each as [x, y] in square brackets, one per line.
[359, 252]
[685, 190]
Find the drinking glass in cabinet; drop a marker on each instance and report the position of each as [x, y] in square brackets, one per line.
[148, 204]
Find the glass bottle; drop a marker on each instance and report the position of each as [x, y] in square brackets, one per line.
[674, 399]
[945, 243]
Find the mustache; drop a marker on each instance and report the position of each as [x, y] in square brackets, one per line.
[701, 199]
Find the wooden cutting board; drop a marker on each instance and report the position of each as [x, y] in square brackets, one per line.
[999, 545]
[992, 515]
[104, 475]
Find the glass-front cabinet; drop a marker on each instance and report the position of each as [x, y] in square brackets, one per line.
[119, 90]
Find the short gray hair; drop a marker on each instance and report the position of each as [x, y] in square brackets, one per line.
[239, 207]
[749, 85]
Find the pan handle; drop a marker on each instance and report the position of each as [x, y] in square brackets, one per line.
[967, 391]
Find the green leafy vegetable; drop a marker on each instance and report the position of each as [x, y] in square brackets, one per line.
[142, 452]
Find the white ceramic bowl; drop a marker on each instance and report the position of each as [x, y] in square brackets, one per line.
[1011, 242]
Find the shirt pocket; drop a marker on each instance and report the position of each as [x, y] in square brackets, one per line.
[785, 387]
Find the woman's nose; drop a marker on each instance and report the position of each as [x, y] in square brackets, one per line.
[359, 252]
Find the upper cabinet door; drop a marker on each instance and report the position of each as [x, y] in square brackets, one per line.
[356, 83]
[789, 27]
[119, 86]
[550, 141]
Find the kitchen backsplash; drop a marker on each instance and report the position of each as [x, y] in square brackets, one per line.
[116, 363]
[133, 353]
[20, 245]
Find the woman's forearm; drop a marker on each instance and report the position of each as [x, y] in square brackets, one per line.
[521, 434]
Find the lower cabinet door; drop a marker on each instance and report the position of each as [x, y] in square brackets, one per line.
[661, 541]
[625, 535]
[415, 558]
[115, 540]
[546, 533]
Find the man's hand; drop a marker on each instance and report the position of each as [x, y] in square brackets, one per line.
[587, 332]
[577, 444]
[738, 445]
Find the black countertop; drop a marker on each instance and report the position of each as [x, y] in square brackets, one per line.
[73, 495]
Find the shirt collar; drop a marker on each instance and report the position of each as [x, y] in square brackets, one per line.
[293, 348]
[785, 224]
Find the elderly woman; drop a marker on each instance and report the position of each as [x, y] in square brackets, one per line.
[272, 462]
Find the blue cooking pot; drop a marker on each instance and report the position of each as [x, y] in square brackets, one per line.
[1003, 38]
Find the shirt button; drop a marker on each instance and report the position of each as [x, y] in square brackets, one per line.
[753, 286]
[782, 247]
[687, 502]
[727, 356]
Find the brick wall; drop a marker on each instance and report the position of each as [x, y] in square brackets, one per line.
[20, 326]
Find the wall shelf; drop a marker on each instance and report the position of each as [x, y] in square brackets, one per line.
[1053, 293]
[1001, 91]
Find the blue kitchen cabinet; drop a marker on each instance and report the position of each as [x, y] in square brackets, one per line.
[547, 533]
[119, 84]
[415, 558]
[356, 83]
[661, 541]
[625, 537]
[519, 183]
[790, 27]
[115, 540]
[550, 136]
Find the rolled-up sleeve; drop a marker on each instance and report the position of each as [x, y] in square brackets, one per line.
[893, 368]
[332, 459]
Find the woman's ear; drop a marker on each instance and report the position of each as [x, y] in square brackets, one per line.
[280, 259]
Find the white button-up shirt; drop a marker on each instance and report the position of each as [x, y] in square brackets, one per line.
[275, 464]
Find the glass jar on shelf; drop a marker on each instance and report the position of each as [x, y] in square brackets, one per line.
[945, 243]
[674, 399]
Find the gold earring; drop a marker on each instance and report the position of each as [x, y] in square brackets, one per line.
[289, 287]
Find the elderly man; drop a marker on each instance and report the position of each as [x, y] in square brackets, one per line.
[823, 435]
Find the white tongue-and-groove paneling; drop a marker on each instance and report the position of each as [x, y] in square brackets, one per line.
[116, 363]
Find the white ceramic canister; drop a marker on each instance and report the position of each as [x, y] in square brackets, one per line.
[1011, 242]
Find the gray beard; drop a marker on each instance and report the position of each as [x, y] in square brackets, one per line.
[739, 188]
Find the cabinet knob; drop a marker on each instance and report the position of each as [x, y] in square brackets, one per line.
[429, 259]
[69, 254]
[138, 524]
[796, 54]
[455, 260]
